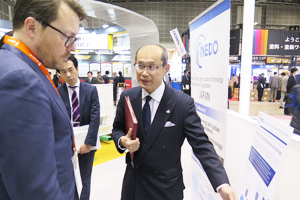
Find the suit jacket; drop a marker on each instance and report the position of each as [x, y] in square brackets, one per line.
[261, 81]
[93, 81]
[284, 81]
[36, 136]
[106, 79]
[157, 172]
[89, 108]
[185, 81]
[274, 81]
[291, 83]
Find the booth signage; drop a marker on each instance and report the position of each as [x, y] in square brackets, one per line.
[92, 41]
[178, 42]
[276, 42]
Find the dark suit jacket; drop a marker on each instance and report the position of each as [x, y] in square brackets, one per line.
[157, 173]
[36, 136]
[89, 109]
[185, 81]
[291, 83]
[260, 81]
[93, 81]
[106, 79]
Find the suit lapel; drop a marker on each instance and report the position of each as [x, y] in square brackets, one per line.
[65, 97]
[159, 120]
[81, 100]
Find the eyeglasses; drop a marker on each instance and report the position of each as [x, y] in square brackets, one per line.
[150, 68]
[70, 40]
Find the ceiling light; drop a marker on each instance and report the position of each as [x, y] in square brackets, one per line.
[105, 26]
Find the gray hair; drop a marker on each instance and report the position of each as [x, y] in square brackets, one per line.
[164, 56]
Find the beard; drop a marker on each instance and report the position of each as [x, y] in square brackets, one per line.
[46, 54]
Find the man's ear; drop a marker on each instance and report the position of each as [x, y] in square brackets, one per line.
[167, 68]
[30, 27]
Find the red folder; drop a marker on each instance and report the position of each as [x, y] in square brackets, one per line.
[130, 120]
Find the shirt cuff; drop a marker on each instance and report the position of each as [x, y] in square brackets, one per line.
[120, 145]
[224, 184]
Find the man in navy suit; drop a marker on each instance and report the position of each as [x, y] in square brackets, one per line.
[36, 136]
[89, 114]
[105, 77]
[165, 118]
[185, 82]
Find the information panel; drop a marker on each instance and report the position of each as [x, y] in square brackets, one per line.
[209, 69]
[265, 159]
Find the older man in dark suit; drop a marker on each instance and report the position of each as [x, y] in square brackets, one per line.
[165, 118]
[86, 111]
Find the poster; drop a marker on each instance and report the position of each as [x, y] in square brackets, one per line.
[268, 150]
[118, 66]
[127, 70]
[95, 68]
[209, 66]
[209, 83]
[106, 66]
[83, 68]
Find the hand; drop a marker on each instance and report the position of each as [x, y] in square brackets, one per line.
[128, 143]
[84, 148]
[227, 193]
[285, 90]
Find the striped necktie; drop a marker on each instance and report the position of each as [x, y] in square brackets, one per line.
[75, 107]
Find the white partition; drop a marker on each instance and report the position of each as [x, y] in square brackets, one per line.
[107, 108]
[240, 131]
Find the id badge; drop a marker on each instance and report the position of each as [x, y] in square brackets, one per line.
[77, 175]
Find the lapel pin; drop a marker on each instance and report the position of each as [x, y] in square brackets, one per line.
[168, 111]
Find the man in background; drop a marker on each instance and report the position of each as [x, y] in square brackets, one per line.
[274, 85]
[166, 117]
[36, 136]
[284, 80]
[105, 77]
[289, 87]
[99, 78]
[82, 103]
[55, 79]
[90, 79]
[116, 80]
[185, 82]
[167, 79]
[261, 86]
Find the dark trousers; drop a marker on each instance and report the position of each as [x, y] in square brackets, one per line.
[260, 93]
[188, 92]
[86, 166]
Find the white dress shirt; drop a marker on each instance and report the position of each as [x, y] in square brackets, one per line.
[70, 92]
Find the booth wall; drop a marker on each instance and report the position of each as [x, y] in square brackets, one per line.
[240, 133]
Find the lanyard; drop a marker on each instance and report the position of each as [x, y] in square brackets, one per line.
[22, 47]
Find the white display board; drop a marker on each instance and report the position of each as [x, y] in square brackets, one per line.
[105, 66]
[127, 70]
[209, 64]
[92, 41]
[266, 157]
[95, 68]
[209, 84]
[83, 68]
[117, 66]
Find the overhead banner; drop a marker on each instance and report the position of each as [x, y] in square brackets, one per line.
[209, 82]
[267, 153]
[178, 41]
[276, 42]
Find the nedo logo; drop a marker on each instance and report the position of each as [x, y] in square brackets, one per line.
[205, 49]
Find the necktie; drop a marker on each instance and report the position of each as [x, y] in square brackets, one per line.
[75, 107]
[146, 115]
[89, 81]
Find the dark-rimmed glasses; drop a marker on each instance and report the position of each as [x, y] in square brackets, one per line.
[150, 68]
[70, 40]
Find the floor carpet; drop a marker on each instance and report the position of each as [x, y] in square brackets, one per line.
[107, 152]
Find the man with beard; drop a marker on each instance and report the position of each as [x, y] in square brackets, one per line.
[36, 136]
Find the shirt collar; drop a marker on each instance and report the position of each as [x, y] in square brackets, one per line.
[156, 94]
[77, 83]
